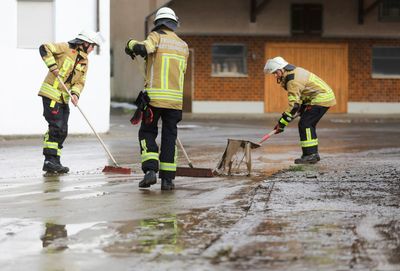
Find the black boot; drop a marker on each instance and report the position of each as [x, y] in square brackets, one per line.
[149, 178]
[167, 184]
[308, 159]
[52, 167]
[65, 169]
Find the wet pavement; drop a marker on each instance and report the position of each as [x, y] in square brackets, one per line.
[341, 214]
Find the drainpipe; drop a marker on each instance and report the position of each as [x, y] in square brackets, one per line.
[146, 20]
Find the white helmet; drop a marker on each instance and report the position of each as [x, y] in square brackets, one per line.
[275, 64]
[166, 13]
[90, 36]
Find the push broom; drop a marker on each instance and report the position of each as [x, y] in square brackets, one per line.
[111, 169]
[191, 171]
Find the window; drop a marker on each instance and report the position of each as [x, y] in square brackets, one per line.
[385, 62]
[229, 60]
[306, 19]
[35, 22]
[389, 10]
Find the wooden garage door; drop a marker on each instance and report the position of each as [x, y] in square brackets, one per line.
[328, 61]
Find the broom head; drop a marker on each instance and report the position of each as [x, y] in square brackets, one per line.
[117, 170]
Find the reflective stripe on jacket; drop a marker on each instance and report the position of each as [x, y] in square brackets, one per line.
[62, 57]
[165, 68]
[304, 87]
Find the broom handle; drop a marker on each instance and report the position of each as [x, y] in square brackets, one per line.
[88, 122]
[267, 136]
[184, 152]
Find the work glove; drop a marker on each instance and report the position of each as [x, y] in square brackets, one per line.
[279, 128]
[283, 122]
[129, 48]
[148, 115]
[130, 53]
[142, 102]
[139, 115]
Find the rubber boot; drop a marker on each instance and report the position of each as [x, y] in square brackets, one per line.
[167, 184]
[65, 169]
[149, 179]
[308, 159]
[52, 167]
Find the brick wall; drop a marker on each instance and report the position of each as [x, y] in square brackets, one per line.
[362, 88]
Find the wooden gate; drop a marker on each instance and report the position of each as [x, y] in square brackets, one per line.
[328, 61]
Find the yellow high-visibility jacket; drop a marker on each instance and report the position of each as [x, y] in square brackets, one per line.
[167, 56]
[304, 87]
[61, 56]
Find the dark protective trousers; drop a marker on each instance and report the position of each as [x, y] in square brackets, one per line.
[307, 128]
[56, 115]
[166, 161]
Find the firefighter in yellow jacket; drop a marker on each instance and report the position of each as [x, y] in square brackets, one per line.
[309, 96]
[69, 61]
[166, 57]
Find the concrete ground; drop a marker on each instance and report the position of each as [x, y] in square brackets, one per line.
[341, 214]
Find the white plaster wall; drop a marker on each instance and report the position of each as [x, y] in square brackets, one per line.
[127, 22]
[227, 107]
[374, 108]
[22, 71]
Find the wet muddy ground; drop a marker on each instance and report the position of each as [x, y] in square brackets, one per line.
[341, 214]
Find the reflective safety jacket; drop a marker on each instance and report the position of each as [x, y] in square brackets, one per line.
[167, 56]
[304, 87]
[72, 65]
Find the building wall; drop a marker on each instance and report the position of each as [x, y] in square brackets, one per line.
[208, 21]
[340, 18]
[23, 71]
[362, 87]
[127, 22]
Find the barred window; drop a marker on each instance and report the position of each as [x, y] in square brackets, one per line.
[306, 19]
[385, 62]
[389, 11]
[229, 60]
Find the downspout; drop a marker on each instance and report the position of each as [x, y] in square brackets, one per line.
[146, 20]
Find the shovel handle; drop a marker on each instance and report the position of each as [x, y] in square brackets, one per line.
[265, 137]
[88, 122]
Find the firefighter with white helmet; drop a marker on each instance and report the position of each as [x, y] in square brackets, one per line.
[308, 96]
[166, 59]
[69, 61]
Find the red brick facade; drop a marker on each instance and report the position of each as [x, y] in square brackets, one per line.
[362, 88]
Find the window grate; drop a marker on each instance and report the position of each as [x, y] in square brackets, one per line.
[385, 62]
[229, 60]
[389, 11]
[306, 19]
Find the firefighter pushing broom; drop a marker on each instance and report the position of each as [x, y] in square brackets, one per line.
[67, 61]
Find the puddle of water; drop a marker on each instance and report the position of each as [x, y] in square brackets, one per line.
[20, 238]
[160, 235]
[85, 195]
